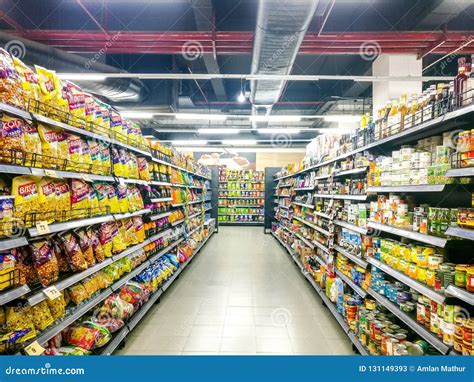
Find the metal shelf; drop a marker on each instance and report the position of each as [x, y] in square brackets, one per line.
[115, 342]
[306, 241]
[350, 256]
[132, 214]
[410, 322]
[460, 172]
[461, 294]
[321, 246]
[12, 169]
[179, 168]
[256, 223]
[195, 202]
[137, 317]
[13, 294]
[322, 214]
[156, 183]
[79, 175]
[240, 197]
[346, 197]
[283, 196]
[362, 293]
[118, 284]
[165, 250]
[362, 350]
[7, 244]
[194, 215]
[178, 205]
[313, 226]
[240, 214]
[350, 226]
[159, 200]
[311, 188]
[463, 233]
[304, 205]
[130, 250]
[422, 288]
[159, 216]
[350, 172]
[66, 283]
[159, 235]
[283, 185]
[13, 110]
[428, 239]
[177, 222]
[195, 229]
[408, 188]
[59, 227]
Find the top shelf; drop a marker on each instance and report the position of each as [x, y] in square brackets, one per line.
[417, 132]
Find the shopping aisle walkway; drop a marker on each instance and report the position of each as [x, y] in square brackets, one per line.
[242, 295]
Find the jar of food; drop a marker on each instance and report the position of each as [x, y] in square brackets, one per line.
[466, 348]
[378, 329]
[434, 261]
[459, 326]
[430, 277]
[420, 311]
[400, 349]
[400, 337]
[468, 328]
[421, 274]
[460, 275]
[448, 334]
[408, 307]
[458, 342]
[413, 270]
[391, 342]
[383, 346]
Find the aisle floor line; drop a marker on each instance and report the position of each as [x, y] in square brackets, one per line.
[243, 295]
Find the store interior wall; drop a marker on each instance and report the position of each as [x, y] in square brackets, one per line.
[277, 159]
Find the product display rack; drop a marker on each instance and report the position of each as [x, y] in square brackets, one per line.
[299, 193]
[239, 191]
[34, 296]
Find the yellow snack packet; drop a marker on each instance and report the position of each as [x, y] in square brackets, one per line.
[80, 199]
[32, 146]
[47, 199]
[49, 146]
[63, 199]
[29, 83]
[74, 146]
[25, 191]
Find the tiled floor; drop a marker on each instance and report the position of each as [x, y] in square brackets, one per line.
[241, 295]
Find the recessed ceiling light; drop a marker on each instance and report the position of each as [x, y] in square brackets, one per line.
[241, 97]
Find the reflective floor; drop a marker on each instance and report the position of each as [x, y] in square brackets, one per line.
[241, 295]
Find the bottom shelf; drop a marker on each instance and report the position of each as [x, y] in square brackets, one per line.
[242, 223]
[330, 305]
[138, 316]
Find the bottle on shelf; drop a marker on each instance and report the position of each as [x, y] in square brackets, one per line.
[432, 100]
[413, 109]
[460, 83]
[402, 111]
[444, 108]
[439, 99]
[393, 120]
[468, 97]
[384, 127]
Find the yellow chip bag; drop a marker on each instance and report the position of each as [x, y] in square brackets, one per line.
[63, 199]
[48, 93]
[47, 199]
[25, 191]
[80, 199]
[29, 83]
[94, 150]
[12, 138]
[49, 146]
[32, 146]
[102, 197]
[113, 199]
[63, 149]
[86, 156]
[122, 197]
[77, 104]
[74, 146]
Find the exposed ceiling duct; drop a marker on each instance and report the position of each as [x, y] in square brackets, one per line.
[115, 89]
[281, 27]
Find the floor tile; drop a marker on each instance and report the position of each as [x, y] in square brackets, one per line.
[206, 331]
[202, 344]
[239, 331]
[238, 344]
[274, 345]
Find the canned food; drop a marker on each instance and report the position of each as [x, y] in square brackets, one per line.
[390, 344]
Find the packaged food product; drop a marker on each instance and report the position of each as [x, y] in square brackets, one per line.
[123, 163]
[139, 228]
[105, 158]
[122, 197]
[7, 223]
[113, 199]
[18, 320]
[143, 168]
[10, 83]
[94, 201]
[74, 153]
[89, 108]
[25, 265]
[96, 246]
[91, 285]
[49, 147]
[81, 336]
[71, 247]
[63, 149]
[86, 247]
[105, 115]
[29, 84]
[63, 263]
[25, 191]
[80, 199]
[77, 293]
[116, 163]
[118, 244]
[96, 161]
[12, 135]
[86, 156]
[48, 93]
[115, 307]
[130, 234]
[45, 262]
[104, 334]
[110, 323]
[47, 203]
[105, 238]
[8, 278]
[116, 125]
[102, 197]
[57, 307]
[41, 316]
[77, 104]
[63, 199]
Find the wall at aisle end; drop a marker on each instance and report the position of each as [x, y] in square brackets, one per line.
[277, 159]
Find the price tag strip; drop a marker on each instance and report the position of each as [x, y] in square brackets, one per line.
[43, 227]
[34, 349]
[52, 292]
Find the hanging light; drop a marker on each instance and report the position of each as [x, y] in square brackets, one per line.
[241, 96]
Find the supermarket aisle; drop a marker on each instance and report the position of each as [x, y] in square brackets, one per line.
[242, 295]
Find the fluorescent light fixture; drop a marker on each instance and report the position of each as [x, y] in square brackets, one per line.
[82, 76]
[219, 131]
[278, 131]
[150, 136]
[136, 114]
[241, 97]
[342, 118]
[206, 117]
[275, 118]
[247, 142]
[189, 142]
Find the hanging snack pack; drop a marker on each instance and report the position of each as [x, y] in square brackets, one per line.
[85, 156]
[116, 125]
[63, 199]
[74, 153]
[33, 151]
[80, 198]
[63, 149]
[49, 146]
[25, 191]
[122, 192]
[45, 262]
[7, 223]
[12, 136]
[70, 245]
[85, 243]
[89, 109]
[105, 238]
[41, 316]
[47, 199]
[105, 158]
[96, 161]
[48, 93]
[143, 168]
[10, 83]
[77, 104]
[96, 246]
[29, 84]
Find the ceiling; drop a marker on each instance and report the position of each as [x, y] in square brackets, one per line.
[158, 36]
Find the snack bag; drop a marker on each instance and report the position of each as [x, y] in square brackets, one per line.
[118, 244]
[86, 247]
[10, 82]
[96, 161]
[49, 146]
[143, 168]
[45, 262]
[130, 234]
[83, 337]
[32, 146]
[89, 109]
[101, 191]
[133, 166]
[99, 122]
[80, 199]
[63, 149]
[25, 191]
[63, 199]
[122, 193]
[123, 163]
[77, 293]
[116, 125]
[113, 199]
[57, 307]
[96, 246]
[47, 202]
[74, 148]
[7, 270]
[24, 265]
[105, 238]
[18, 320]
[7, 222]
[77, 104]
[139, 228]
[86, 156]
[48, 93]
[63, 262]
[105, 158]
[12, 137]
[94, 201]
[116, 163]
[29, 84]
[41, 316]
[105, 115]
[70, 244]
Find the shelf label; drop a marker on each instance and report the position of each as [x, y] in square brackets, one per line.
[52, 292]
[43, 227]
[86, 178]
[34, 349]
[51, 173]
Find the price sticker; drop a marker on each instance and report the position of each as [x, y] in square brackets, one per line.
[86, 178]
[51, 173]
[34, 349]
[43, 227]
[52, 292]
